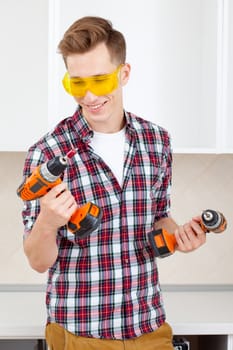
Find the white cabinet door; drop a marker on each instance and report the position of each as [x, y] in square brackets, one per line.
[24, 72]
[181, 54]
[173, 50]
[229, 78]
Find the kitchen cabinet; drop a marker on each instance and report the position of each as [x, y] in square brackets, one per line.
[181, 55]
[178, 51]
[228, 77]
[205, 318]
[24, 72]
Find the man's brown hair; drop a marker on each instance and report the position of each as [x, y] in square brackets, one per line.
[87, 32]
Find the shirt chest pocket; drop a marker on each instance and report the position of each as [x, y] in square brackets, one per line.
[147, 173]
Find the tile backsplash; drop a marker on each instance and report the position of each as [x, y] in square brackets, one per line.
[199, 182]
[202, 182]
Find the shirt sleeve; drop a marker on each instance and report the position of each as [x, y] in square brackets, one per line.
[161, 191]
[31, 208]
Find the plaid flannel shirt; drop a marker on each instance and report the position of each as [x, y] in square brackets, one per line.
[106, 285]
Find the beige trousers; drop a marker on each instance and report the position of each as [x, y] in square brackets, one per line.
[59, 339]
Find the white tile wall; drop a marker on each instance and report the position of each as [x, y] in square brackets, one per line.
[14, 267]
[202, 182]
[199, 182]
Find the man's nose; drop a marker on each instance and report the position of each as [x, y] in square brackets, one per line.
[90, 96]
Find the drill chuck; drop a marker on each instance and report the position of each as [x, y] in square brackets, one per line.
[52, 170]
[42, 179]
[213, 221]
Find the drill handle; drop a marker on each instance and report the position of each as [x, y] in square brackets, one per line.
[162, 242]
[85, 220]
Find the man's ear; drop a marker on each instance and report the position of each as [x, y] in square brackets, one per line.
[125, 74]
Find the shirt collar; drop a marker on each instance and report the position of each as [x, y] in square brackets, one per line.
[130, 128]
[81, 126]
[86, 133]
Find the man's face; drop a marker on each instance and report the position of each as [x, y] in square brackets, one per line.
[104, 113]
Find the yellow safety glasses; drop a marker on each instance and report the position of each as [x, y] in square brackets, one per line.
[98, 84]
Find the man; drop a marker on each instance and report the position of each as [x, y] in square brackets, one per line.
[103, 291]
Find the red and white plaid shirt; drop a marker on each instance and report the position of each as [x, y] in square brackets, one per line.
[106, 285]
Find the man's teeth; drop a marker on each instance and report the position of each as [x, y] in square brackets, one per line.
[96, 106]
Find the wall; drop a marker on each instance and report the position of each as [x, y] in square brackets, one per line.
[199, 182]
[14, 267]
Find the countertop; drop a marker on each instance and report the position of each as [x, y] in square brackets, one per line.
[23, 314]
[200, 312]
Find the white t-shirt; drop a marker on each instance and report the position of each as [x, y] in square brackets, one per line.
[110, 147]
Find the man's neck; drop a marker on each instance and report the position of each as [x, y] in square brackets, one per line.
[106, 128]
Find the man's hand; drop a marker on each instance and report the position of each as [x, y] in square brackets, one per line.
[57, 206]
[190, 236]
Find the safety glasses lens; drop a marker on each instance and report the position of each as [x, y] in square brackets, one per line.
[98, 85]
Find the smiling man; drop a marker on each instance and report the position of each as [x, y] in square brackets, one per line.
[103, 290]
[96, 80]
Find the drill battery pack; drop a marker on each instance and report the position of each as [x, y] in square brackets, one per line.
[181, 344]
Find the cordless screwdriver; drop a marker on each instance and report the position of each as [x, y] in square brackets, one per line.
[48, 175]
[163, 243]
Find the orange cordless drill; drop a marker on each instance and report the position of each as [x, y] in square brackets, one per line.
[47, 175]
[163, 243]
